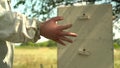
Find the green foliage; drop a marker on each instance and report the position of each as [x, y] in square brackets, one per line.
[44, 8]
[116, 43]
[49, 43]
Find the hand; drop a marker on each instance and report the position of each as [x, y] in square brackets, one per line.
[51, 30]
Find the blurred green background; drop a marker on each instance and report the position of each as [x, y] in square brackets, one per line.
[44, 55]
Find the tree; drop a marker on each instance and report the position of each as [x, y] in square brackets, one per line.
[37, 8]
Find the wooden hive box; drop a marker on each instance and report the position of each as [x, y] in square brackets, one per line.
[93, 48]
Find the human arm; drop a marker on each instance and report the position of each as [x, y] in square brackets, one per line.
[15, 27]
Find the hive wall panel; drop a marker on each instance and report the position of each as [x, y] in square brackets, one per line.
[93, 48]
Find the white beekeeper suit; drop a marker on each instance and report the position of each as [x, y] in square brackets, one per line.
[14, 27]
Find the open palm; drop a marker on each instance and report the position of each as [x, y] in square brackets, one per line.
[51, 30]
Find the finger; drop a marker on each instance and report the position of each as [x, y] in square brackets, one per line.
[58, 18]
[68, 34]
[60, 42]
[63, 27]
[66, 39]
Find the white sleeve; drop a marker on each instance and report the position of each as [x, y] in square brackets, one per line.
[16, 27]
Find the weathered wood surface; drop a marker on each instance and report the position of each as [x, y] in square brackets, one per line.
[93, 48]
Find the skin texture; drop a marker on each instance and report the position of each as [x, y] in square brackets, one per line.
[51, 30]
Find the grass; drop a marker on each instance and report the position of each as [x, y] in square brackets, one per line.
[34, 57]
[117, 58]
